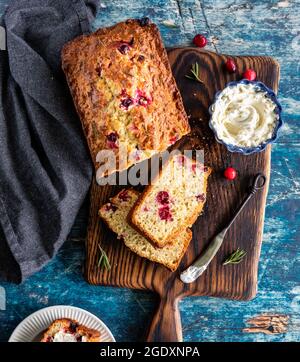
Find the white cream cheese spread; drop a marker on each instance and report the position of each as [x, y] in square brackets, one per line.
[244, 116]
[62, 336]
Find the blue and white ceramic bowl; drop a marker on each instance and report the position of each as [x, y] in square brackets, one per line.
[249, 150]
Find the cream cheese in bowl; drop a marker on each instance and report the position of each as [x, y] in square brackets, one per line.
[245, 116]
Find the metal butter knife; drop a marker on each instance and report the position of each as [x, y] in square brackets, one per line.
[199, 266]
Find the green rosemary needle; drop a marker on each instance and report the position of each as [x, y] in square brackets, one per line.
[195, 73]
[103, 261]
[236, 257]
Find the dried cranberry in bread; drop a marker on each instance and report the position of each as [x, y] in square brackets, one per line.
[173, 201]
[69, 330]
[124, 92]
[115, 215]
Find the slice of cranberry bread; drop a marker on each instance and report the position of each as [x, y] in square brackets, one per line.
[124, 92]
[115, 215]
[68, 330]
[173, 201]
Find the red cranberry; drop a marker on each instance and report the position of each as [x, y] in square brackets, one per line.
[98, 70]
[173, 139]
[126, 103]
[124, 93]
[112, 145]
[230, 65]
[200, 197]
[142, 99]
[124, 196]
[110, 207]
[249, 74]
[73, 326]
[230, 173]
[200, 40]
[124, 48]
[162, 197]
[144, 21]
[165, 214]
[112, 137]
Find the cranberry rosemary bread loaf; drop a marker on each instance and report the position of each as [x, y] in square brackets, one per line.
[173, 201]
[115, 215]
[124, 92]
[68, 330]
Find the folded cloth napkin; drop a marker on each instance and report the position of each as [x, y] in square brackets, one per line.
[45, 169]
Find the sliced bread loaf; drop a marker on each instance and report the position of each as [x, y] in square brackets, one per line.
[172, 202]
[115, 215]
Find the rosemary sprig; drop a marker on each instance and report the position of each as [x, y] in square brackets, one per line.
[103, 261]
[236, 257]
[195, 73]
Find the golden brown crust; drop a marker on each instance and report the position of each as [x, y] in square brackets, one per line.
[123, 64]
[184, 239]
[133, 216]
[91, 334]
[73, 327]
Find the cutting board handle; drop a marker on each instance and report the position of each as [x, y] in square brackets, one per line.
[166, 324]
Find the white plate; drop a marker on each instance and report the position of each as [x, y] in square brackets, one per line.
[32, 327]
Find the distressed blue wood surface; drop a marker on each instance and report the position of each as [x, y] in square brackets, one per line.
[235, 27]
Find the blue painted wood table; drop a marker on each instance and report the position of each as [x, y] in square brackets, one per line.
[234, 27]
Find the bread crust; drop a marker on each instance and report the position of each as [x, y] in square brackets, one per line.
[186, 242]
[97, 74]
[66, 324]
[186, 235]
[133, 220]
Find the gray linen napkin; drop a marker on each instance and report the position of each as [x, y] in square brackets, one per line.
[45, 168]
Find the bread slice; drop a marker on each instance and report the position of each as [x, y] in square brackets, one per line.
[115, 215]
[172, 202]
[124, 92]
[69, 330]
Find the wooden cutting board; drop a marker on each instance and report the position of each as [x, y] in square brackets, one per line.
[231, 281]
